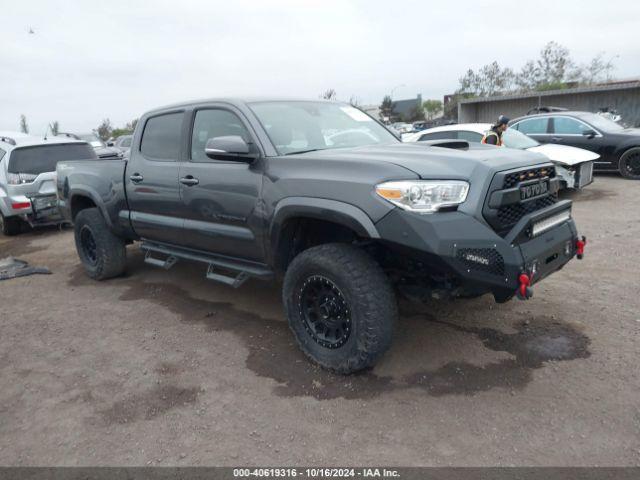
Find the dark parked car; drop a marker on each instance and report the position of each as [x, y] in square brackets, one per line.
[618, 147]
[321, 194]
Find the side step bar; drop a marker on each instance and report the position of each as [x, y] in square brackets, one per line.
[243, 270]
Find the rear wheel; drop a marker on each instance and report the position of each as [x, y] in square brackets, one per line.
[630, 164]
[340, 307]
[10, 225]
[102, 253]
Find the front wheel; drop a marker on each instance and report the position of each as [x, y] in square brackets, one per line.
[340, 306]
[102, 253]
[630, 164]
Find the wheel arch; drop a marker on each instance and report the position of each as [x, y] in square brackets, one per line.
[348, 221]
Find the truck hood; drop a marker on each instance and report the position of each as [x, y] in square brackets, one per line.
[564, 154]
[431, 162]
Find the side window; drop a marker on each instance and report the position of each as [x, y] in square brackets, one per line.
[214, 123]
[567, 126]
[450, 135]
[161, 137]
[533, 126]
[473, 137]
[126, 142]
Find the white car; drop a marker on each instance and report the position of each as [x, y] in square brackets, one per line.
[573, 165]
[27, 178]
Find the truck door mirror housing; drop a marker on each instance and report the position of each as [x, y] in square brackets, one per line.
[231, 148]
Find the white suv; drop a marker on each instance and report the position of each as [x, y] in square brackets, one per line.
[27, 178]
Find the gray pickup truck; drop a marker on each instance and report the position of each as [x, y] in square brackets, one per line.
[324, 197]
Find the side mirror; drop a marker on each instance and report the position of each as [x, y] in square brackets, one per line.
[589, 133]
[231, 147]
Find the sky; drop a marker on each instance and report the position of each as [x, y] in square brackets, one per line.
[89, 60]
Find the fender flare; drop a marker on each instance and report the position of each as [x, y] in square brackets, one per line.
[335, 211]
[88, 192]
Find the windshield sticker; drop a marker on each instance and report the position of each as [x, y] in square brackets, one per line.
[356, 114]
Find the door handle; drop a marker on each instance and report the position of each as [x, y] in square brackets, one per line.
[556, 139]
[136, 178]
[189, 181]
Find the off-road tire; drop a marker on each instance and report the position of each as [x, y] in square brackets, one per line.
[633, 154]
[365, 289]
[10, 226]
[109, 254]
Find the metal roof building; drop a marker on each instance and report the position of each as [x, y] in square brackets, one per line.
[623, 96]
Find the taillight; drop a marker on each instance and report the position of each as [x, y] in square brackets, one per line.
[20, 205]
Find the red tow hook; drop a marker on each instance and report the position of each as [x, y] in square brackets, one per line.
[525, 291]
[580, 243]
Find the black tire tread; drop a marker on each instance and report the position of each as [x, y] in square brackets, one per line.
[621, 168]
[11, 226]
[112, 253]
[373, 293]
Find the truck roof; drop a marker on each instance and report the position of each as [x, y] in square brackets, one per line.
[239, 101]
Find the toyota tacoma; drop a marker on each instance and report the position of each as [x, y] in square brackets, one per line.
[325, 198]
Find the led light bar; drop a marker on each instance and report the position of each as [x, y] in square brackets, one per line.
[550, 222]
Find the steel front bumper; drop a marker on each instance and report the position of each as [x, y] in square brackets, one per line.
[478, 257]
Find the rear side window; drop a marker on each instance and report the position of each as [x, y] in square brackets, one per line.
[161, 137]
[469, 136]
[533, 126]
[44, 158]
[450, 135]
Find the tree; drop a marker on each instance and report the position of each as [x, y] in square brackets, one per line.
[24, 127]
[131, 126]
[329, 94]
[553, 69]
[386, 108]
[355, 102]
[432, 108]
[416, 114]
[54, 127]
[105, 129]
[489, 80]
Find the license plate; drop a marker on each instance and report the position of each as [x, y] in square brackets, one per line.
[534, 190]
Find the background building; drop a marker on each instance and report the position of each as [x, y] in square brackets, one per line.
[623, 96]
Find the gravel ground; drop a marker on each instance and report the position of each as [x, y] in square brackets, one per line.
[167, 368]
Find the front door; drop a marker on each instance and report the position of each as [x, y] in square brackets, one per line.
[221, 198]
[152, 180]
[575, 133]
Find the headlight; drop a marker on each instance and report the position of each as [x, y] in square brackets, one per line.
[424, 196]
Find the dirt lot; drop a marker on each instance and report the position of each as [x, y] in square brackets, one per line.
[167, 368]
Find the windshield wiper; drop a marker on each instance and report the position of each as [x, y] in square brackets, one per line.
[305, 151]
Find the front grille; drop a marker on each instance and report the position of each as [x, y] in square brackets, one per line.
[487, 260]
[505, 216]
[511, 214]
[512, 179]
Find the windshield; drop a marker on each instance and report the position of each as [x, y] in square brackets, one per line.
[44, 158]
[297, 127]
[514, 139]
[601, 123]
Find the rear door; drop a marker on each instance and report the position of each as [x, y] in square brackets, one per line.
[535, 127]
[220, 199]
[152, 179]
